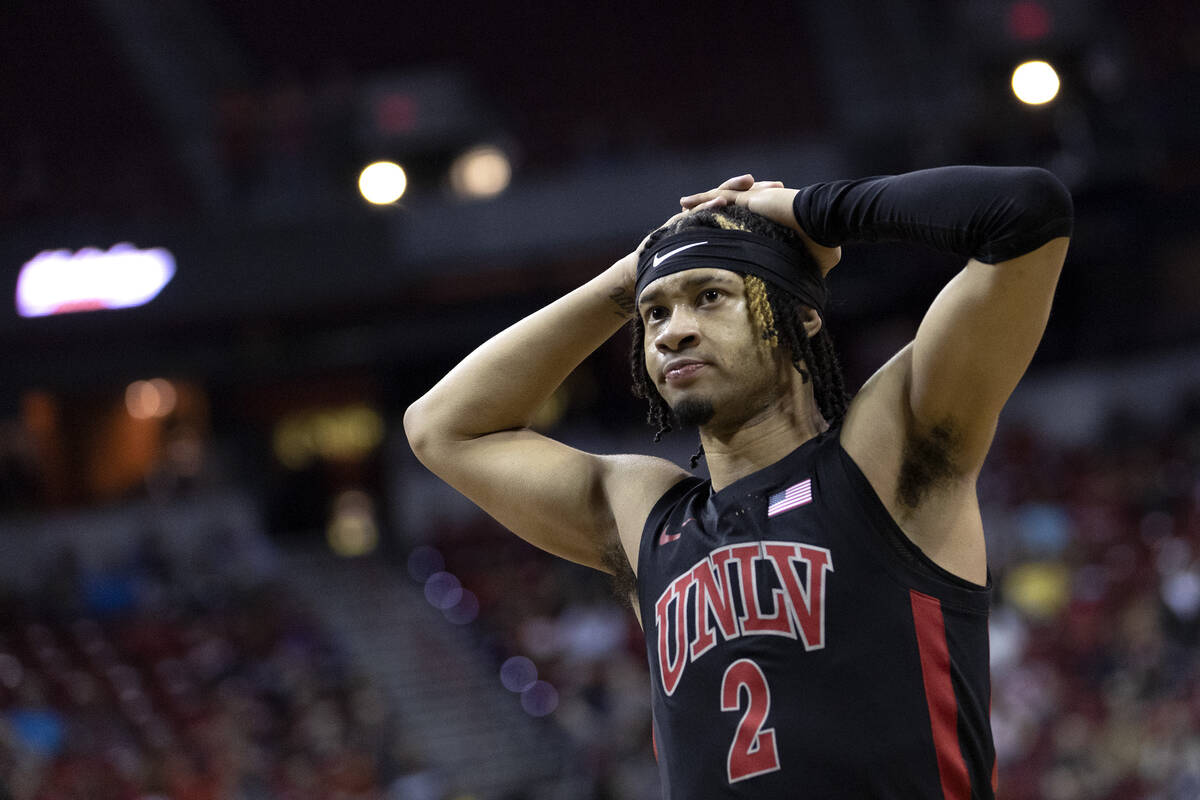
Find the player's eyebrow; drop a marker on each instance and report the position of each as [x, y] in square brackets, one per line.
[653, 296]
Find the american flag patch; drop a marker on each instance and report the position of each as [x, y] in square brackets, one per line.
[794, 496]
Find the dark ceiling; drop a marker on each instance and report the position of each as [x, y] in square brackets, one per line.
[176, 121]
[566, 80]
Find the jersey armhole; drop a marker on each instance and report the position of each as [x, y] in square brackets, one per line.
[660, 508]
[901, 550]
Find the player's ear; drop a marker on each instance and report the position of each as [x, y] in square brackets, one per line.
[811, 321]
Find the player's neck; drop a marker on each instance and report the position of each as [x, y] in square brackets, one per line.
[761, 441]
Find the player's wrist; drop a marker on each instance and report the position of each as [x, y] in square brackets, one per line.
[616, 284]
[774, 204]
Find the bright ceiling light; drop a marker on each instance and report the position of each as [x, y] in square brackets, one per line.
[1035, 83]
[481, 172]
[61, 282]
[382, 183]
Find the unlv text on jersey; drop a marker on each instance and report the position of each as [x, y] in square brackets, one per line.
[707, 592]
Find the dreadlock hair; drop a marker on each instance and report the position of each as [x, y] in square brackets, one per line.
[777, 317]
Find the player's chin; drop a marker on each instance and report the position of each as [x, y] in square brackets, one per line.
[693, 410]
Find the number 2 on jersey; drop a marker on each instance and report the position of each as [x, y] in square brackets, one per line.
[753, 750]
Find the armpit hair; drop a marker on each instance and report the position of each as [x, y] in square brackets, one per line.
[622, 581]
[928, 462]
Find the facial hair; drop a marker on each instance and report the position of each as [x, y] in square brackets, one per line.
[694, 411]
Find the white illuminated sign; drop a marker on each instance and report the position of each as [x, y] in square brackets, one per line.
[62, 282]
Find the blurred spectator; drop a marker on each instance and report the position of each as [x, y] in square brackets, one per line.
[135, 683]
[152, 679]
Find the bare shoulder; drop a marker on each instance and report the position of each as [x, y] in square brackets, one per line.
[633, 484]
[914, 471]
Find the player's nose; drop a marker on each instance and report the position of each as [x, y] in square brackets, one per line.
[680, 331]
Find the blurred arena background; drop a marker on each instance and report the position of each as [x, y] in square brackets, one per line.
[222, 572]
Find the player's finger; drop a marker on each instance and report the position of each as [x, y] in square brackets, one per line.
[715, 202]
[739, 183]
[728, 189]
[693, 200]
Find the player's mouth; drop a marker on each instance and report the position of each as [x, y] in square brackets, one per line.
[682, 370]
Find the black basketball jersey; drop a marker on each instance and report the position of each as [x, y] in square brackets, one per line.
[801, 646]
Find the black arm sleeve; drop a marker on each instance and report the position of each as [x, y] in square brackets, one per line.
[988, 213]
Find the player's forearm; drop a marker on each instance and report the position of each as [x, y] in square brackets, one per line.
[502, 383]
[991, 214]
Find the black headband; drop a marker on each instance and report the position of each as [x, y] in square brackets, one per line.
[736, 251]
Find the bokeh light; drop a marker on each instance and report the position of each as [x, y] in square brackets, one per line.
[1035, 83]
[352, 529]
[481, 172]
[539, 699]
[150, 399]
[1029, 21]
[443, 590]
[347, 433]
[382, 182]
[518, 674]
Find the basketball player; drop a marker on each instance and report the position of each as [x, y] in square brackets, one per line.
[816, 613]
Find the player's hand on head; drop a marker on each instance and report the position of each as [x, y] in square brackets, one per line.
[738, 190]
[768, 198]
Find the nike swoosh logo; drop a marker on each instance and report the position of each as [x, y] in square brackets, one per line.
[666, 538]
[661, 257]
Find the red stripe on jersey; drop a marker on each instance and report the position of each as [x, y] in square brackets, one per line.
[995, 772]
[939, 694]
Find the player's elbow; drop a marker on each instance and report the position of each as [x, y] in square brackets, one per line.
[1036, 208]
[1045, 201]
[431, 432]
[419, 429]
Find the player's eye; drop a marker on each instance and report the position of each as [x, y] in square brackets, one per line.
[710, 295]
[655, 313]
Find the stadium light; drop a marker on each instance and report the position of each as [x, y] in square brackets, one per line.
[63, 282]
[481, 172]
[1035, 83]
[382, 182]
